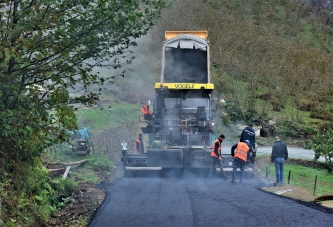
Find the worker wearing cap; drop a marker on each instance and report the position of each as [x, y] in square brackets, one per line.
[249, 134]
[239, 151]
[279, 156]
[217, 156]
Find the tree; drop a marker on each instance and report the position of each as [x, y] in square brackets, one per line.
[322, 144]
[48, 47]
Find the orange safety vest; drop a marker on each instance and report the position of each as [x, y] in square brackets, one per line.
[213, 149]
[241, 151]
[138, 146]
[145, 110]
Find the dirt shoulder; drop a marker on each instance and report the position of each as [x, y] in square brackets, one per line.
[82, 204]
[291, 192]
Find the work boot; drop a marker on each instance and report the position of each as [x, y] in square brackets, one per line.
[232, 181]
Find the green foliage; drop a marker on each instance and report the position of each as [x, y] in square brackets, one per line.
[61, 152]
[322, 144]
[97, 119]
[223, 83]
[304, 177]
[233, 112]
[322, 112]
[294, 129]
[36, 70]
[48, 48]
[100, 162]
[97, 166]
[29, 195]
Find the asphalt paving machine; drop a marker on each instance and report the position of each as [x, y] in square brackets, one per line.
[181, 124]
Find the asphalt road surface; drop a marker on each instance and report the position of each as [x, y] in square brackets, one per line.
[195, 201]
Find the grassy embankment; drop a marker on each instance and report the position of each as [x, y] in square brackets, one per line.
[101, 119]
[97, 166]
[304, 177]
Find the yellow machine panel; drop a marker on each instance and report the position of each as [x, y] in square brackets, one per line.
[202, 34]
[184, 86]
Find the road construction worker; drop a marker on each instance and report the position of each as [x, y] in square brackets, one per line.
[123, 148]
[148, 115]
[239, 151]
[217, 156]
[145, 109]
[249, 134]
[139, 145]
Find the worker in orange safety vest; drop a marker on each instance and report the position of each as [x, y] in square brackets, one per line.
[240, 152]
[139, 145]
[217, 156]
[145, 110]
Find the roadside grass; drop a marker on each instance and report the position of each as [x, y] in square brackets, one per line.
[97, 166]
[97, 119]
[304, 177]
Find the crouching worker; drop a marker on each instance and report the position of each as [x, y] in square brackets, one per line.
[217, 156]
[239, 151]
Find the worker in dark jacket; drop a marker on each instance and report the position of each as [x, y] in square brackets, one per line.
[217, 156]
[279, 156]
[249, 134]
[239, 151]
[139, 145]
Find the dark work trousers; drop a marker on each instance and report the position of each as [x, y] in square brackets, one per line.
[214, 162]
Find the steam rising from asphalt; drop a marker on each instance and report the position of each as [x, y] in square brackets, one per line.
[185, 66]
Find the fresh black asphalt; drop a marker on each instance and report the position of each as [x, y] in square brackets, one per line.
[198, 201]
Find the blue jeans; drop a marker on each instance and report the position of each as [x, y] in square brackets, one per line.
[238, 163]
[279, 169]
[219, 163]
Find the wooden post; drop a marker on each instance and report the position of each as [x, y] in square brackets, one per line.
[315, 185]
[66, 172]
[266, 171]
[289, 176]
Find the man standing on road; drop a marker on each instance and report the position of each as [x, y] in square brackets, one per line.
[249, 134]
[217, 156]
[279, 156]
[239, 151]
[139, 145]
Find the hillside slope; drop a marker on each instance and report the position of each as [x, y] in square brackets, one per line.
[270, 59]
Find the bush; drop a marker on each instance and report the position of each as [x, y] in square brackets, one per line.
[233, 111]
[322, 144]
[294, 129]
[308, 106]
[31, 195]
[322, 113]
[100, 162]
[277, 105]
[63, 188]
